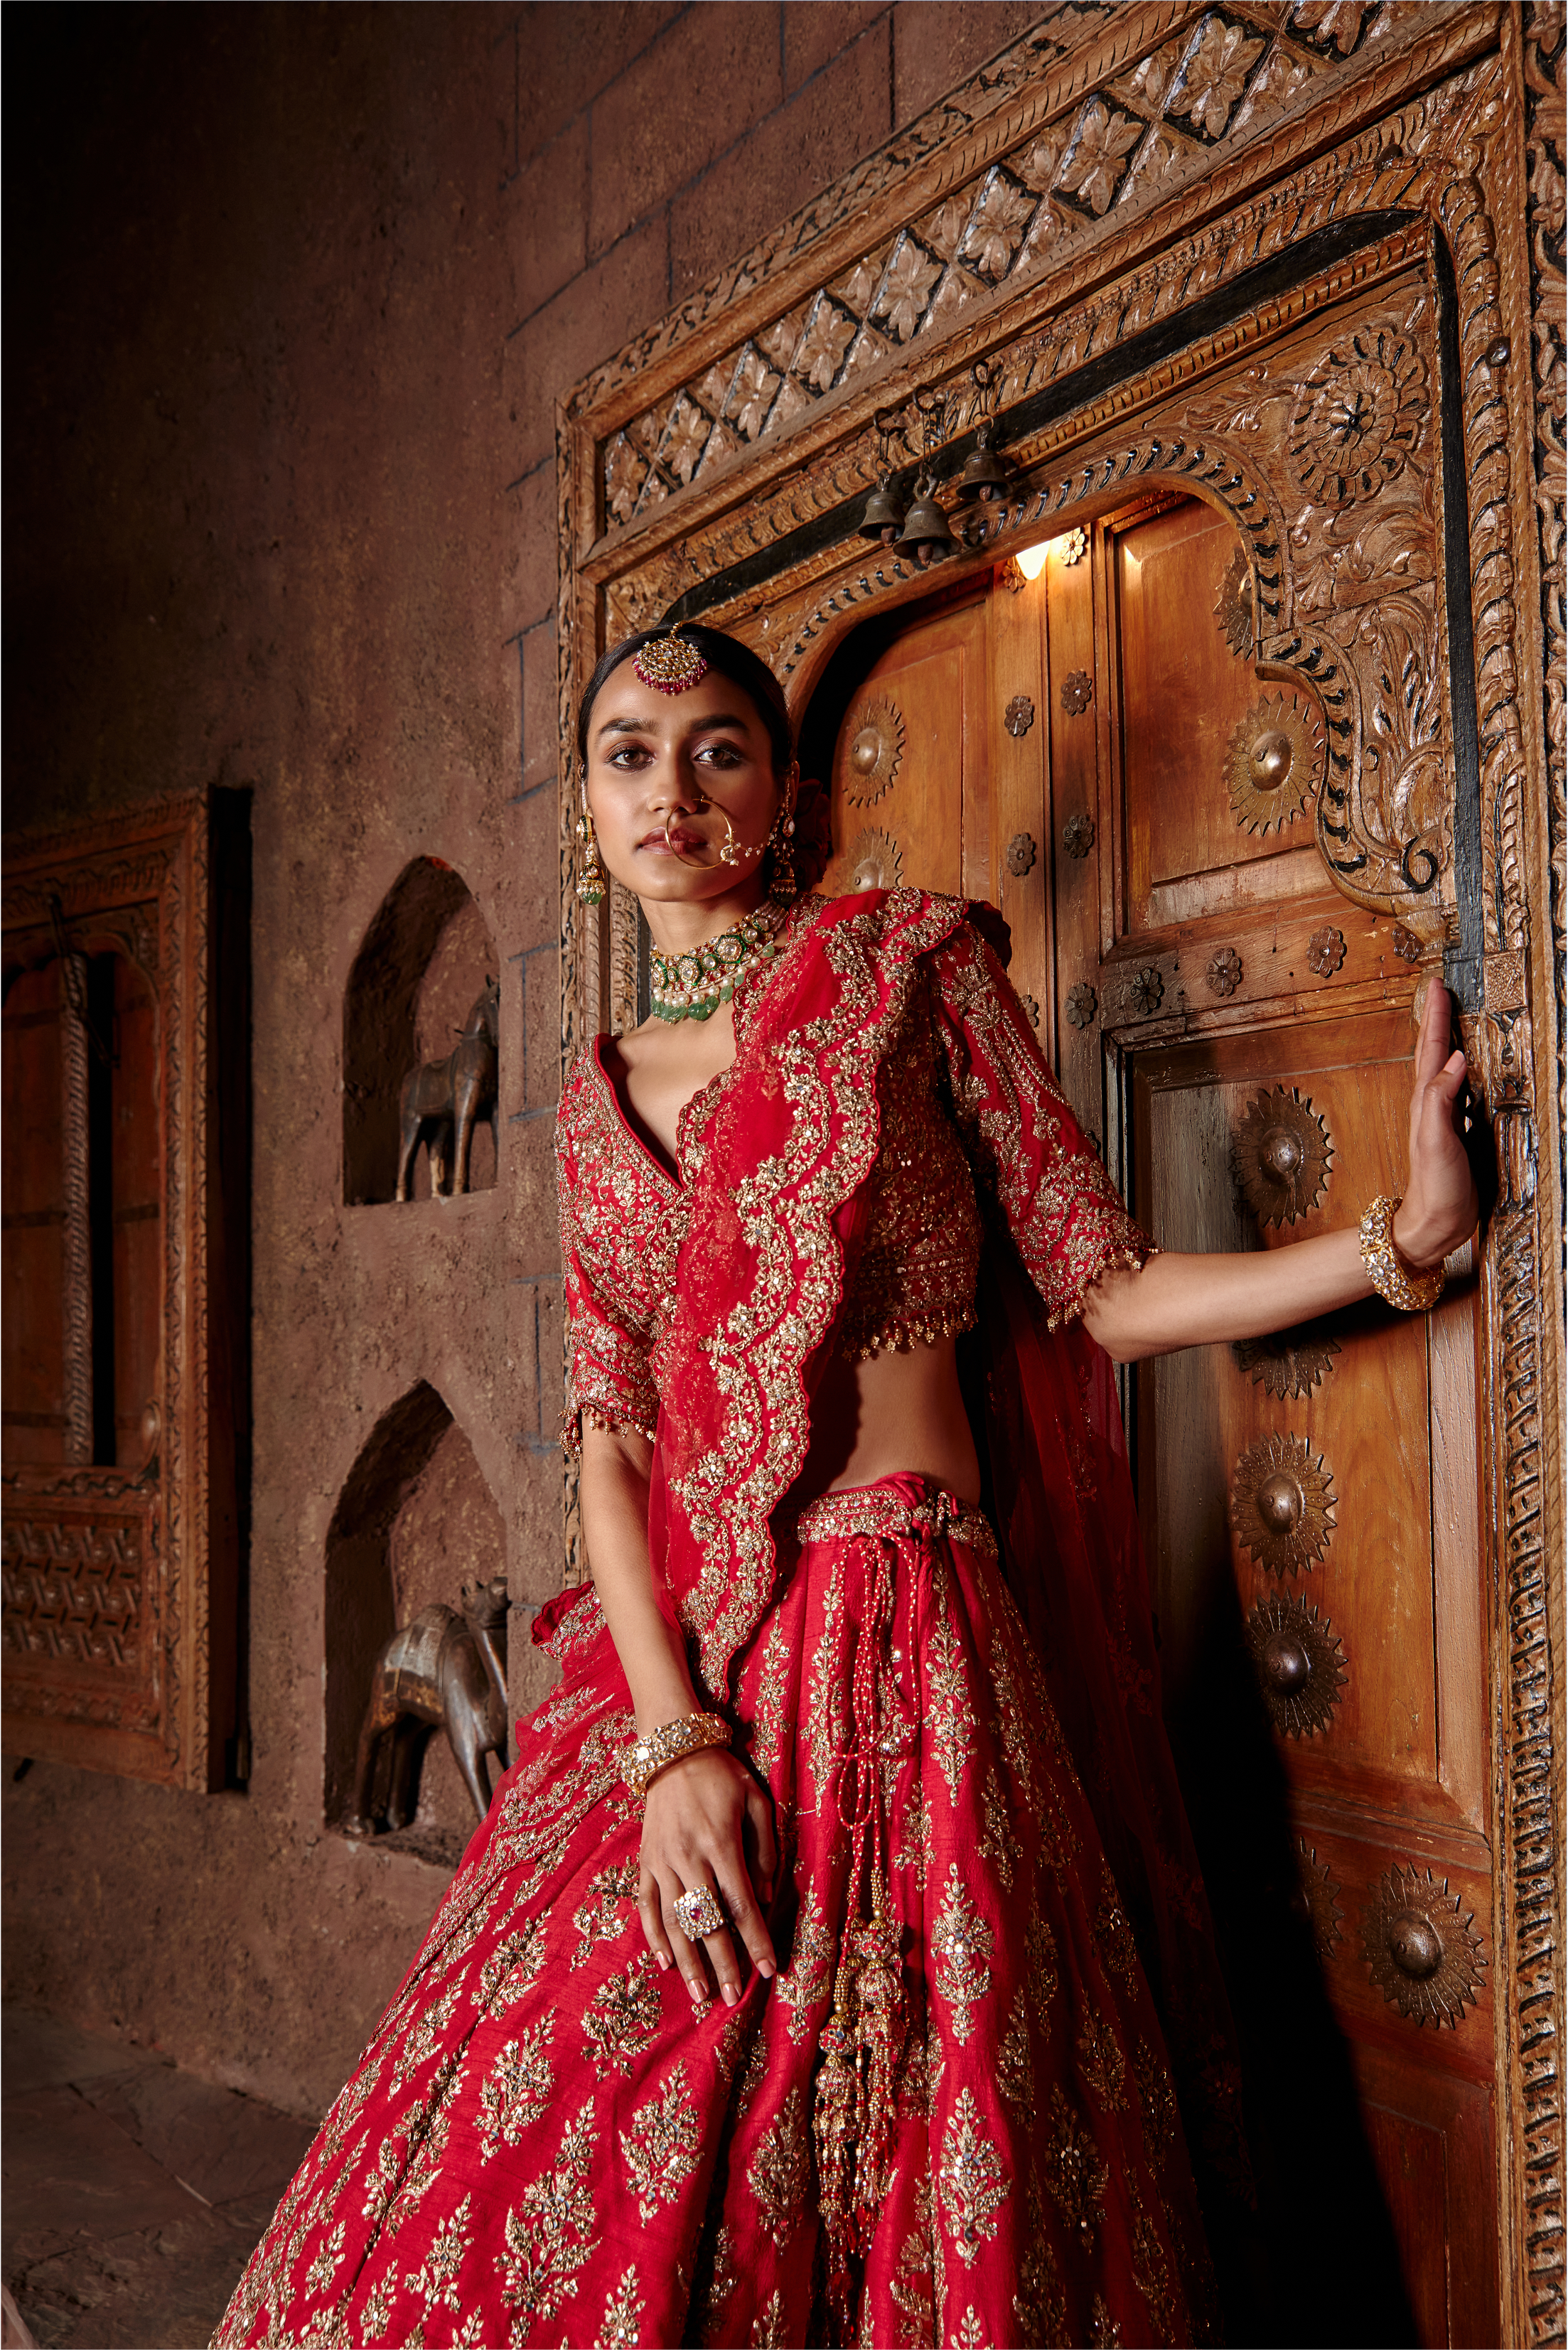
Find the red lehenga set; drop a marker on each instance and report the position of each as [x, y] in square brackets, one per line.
[960, 2114]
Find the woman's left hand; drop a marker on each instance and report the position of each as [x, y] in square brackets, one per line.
[1441, 1204]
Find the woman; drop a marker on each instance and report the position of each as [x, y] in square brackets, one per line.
[833, 1963]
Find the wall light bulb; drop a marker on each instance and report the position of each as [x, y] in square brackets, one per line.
[1031, 562]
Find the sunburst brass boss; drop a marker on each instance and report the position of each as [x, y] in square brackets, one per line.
[1282, 1503]
[875, 736]
[1281, 1152]
[1273, 762]
[876, 861]
[1299, 1664]
[1425, 1954]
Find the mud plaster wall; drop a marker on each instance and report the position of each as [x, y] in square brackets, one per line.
[292, 293]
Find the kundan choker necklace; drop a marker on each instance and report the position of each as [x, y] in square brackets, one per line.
[692, 986]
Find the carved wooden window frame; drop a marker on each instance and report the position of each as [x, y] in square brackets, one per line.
[144, 884]
[1403, 129]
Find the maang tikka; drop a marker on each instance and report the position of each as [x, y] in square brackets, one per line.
[670, 664]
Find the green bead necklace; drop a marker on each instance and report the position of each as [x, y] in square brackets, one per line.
[692, 986]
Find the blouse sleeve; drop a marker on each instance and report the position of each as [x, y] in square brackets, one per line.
[1062, 1210]
[609, 1382]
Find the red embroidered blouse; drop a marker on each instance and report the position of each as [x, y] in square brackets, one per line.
[963, 1092]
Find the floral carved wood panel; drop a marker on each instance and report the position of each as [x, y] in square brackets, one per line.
[119, 1511]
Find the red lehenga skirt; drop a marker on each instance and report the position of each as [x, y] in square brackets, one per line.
[950, 2119]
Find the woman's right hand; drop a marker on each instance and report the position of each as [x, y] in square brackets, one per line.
[707, 1822]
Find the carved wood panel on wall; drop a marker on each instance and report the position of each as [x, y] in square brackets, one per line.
[1304, 263]
[125, 1246]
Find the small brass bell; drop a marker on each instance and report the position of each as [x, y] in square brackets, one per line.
[985, 475]
[926, 534]
[884, 515]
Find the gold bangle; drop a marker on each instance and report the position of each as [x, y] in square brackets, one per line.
[668, 1743]
[1413, 1293]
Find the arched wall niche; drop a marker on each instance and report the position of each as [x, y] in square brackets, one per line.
[1173, 297]
[422, 968]
[415, 1522]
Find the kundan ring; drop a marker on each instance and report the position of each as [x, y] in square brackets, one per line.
[698, 1914]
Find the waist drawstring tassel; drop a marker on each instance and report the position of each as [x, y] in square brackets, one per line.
[862, 2041]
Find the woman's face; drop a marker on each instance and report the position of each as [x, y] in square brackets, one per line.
[679, 758]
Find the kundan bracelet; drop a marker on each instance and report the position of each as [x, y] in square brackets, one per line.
[1413, 1293]
[669, 1743]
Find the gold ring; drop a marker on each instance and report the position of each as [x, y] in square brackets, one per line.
[698, 1914]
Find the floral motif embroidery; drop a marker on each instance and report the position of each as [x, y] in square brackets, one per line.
[435, 2279]
[780, 2171]
[1157, 2101]
[513, 1966]
[517, 2088]
[769, 2330]
[599, 1916]
[1102, 2064]
[909, 2287]
[546, 2239]
[810, 1976]
[949, 1712]
[1000, 1845]
[971, 2189]
[1151, 2273]
[1113, 1936]
[660, 2147]
[623, 2016]
[962, 1942]
[1039, 2304]
[1041, 1977]
[620, 2327]
[418, 2047]
[320, 2274]
[1015, 2062]
[1075, 2173]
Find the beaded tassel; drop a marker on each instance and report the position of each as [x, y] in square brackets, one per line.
[863, 2039]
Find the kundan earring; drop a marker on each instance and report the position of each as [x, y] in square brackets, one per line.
[591, 880]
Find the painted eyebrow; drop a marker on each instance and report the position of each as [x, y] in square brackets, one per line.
[646, 725]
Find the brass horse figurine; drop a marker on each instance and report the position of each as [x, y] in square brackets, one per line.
[446, 1099]
[442, 1671]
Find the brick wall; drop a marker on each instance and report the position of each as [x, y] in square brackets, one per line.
[292, 293]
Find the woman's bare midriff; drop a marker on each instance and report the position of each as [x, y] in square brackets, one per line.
[897, 1412]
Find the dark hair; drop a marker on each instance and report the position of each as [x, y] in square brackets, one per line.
[730, 658]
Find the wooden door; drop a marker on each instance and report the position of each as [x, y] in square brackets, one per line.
[1100, 757]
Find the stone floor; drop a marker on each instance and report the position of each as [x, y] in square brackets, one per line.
[132, 2193]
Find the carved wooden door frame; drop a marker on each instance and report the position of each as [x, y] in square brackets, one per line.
[1115, 211]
